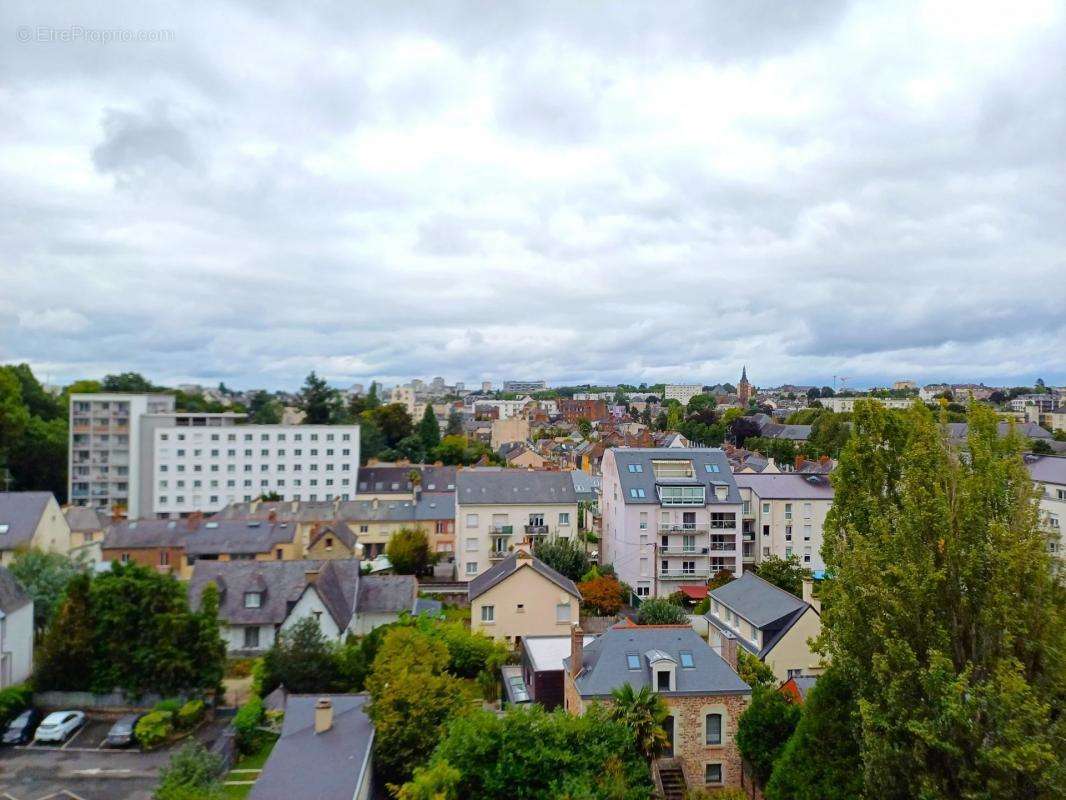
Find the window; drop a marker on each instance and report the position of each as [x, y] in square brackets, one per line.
[471, 568]
[766, 508]
[686, 660]
[471, 544]
[722, 520]
[562, 612]
[632, 661]
[712, 467]
[714, 729]
[471, 520]
[164, 558]
[520, 608]
[564, 517]
[712, 775]
[643, 589]
[636, 493]
[253, 599]
[643, 520]
[251, 637]
[488, 613]
[662, 680]
[636, 467]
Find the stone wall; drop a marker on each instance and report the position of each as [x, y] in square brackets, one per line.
[690, 731]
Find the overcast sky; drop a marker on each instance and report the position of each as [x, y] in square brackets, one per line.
[571, 191]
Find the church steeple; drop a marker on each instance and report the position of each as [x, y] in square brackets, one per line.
[744, 373]
[744, 387]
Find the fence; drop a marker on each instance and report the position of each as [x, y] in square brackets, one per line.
[111, 701]
[596, 625]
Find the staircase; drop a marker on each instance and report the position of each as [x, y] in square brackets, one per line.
[670, 779]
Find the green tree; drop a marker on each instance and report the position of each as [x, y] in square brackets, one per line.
[429, 429]
[408, 551]
[44, 576]
[585, 427]
[393, 421]
[38, 402]
[128, 382]
[643, 712]
[764, 729]
[412, 699]
[38, 461]
[412, 448]
[14, 417]
[720, 579]
[945, 613]
[65, 656]
[660, 611]
[455, 423]
[371, 439]
[1040, 447]
[754, 672]
[320, 403]
[192, 774]
[264, 409]
[372, 399]
[829, 432]
[784, 573]
[564, 556]
[822, 760]
[302, 660]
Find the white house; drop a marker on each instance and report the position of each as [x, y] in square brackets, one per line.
[16, 631]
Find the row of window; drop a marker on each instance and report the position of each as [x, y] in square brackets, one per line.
[502, 520]
[179, 500]
[263, 437]
[488, 613]
[247, 484]
[345, 467]
[181, 452]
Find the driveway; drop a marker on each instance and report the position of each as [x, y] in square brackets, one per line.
[82, 770]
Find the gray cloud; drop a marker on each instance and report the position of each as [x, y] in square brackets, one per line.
[584, 191]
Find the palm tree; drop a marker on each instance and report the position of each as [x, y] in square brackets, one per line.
[644, 713]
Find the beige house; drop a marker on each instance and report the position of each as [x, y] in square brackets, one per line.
[768, 622]
[31, 520]
[783, 515]
[512, 429]
[87, 528]
[522, 596]
[702, 689]
[331, 540]
[497, 508]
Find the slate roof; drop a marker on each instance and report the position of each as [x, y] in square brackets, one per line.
[283, 511]
[338, 530]
[285, 581]
[145, 533]
[430, 506]
[12, 595]
[605, 665]
[701, 458]
[776, 430]
[21, 512]
[1030, 430]
[756, 600]
[1046, 469]
[387, 594]
[83, 519]
[380, 479]
[503, 570]
[498, 486]
[238, 536]
[323, 766]
[586, 487]
[787, 485]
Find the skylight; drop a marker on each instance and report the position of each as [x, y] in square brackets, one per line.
[712, 467]
[636, 467]
[686, 660]
[632, 661]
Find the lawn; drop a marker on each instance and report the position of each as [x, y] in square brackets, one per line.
[247, 769]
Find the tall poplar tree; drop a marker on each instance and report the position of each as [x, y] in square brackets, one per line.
[944, 611]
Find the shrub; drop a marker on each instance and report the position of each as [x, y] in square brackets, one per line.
[239, 667]
[246, 723]
[703, 606]
[171, 705]
[190, 713]
[659, 611]
[154, 728]
[601, 595]
[13, 700]
[192, 774]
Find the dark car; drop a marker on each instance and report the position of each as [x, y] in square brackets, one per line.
[122, 732]
[20, 729]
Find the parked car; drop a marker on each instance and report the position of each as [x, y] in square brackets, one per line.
[20, 729]
[59, 725]
[122, 732]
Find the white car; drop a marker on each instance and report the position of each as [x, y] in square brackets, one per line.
[59, 725]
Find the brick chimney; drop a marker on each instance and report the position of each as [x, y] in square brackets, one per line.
[311, 575]
[192, 522]
[272, 517]
[577, 650]
[729, 648]
[808, 595]
[323, 715]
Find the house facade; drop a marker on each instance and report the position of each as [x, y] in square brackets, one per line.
[783, 515]
[1049, 477]
[31, 520]
[16, 631]
[375, 520]
[495, 509]
[701, 688]
[522, 596]
[671, 517]
[768, 622]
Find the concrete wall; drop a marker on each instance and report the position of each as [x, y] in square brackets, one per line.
[17, 645]
[538, 598]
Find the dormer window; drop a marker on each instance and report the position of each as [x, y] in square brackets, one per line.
[253, 599]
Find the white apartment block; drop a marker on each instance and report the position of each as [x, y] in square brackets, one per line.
[497, 508]
[524, 387]
[104, 447]
[783, 515]
[670, 517]
[1049, 476]
[682, 392]
[205, 468]
[136, 454]
[843, 404]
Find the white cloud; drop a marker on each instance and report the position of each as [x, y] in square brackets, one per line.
[53, 320]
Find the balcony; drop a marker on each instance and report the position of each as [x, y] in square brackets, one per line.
[537, 530]
[498, 555]
[684, 551]
[684, 574]
[683, 527]
[723, 546]
[749, 552]
[501, 530]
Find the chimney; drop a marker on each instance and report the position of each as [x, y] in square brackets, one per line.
[808, 595]
[311, 576]
[323, 715]
[194, 519]
[729, 648]
[577, 649]
[272, 517]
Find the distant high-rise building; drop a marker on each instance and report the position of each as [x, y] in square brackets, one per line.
[524, 387]
[682, 392]
[486, 386]
[744, 388]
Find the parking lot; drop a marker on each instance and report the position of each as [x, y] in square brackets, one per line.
[83, 769]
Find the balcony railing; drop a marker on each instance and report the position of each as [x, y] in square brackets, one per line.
[498, 555]
[680, 573]
[502, 530]
[683, 527]
[683, 551]
[537, 530]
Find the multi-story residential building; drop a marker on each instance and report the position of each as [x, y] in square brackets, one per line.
[137, 455]
[670, 517]
[496, 509]
[1045, 402]
[105, 449]
[843, 404]
[700, 687]
[575, 410]
[374, 521]
[783, 515]
[205, 468]
[524, 387]
[682, 392]
[1049, 475]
